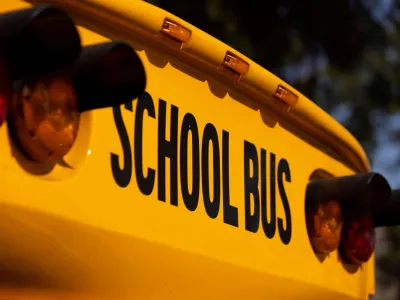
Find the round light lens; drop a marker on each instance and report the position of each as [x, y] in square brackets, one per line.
[46, 118]
[5, 91]
[324, 225]
[3, 108]
[358, 240]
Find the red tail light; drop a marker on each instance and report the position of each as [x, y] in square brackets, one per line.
[3, 108]
[4, 98]
[5, 92]
[358, 240]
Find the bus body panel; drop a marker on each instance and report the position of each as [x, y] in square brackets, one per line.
[111, 222]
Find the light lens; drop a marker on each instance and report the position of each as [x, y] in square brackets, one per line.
[235, 63]
[324, 225]
[358, 240]
[46, 118]
[3, 108]
[5, 92]
[286, 96]
[176, 31]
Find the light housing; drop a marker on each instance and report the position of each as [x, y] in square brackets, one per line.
[339, 214]
[38, 40]
[106, 75]
[45, 109]
[34, 41]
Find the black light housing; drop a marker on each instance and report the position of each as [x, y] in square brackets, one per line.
[54, 79]
[38, 40]
[106, 75]
[366, 189]
[339, 214]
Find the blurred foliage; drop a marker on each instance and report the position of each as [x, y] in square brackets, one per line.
[339, 53]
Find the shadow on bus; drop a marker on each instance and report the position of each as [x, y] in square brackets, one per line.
[350, 268]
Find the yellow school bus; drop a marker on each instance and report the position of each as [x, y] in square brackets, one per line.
[142, 158]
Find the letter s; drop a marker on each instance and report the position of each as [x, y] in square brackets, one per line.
[122, 176]
[285, 234]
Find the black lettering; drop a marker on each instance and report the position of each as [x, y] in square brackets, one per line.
[255, 198]
[191, 200]
[269, 227]
[285, 234]
[122, 176]
[230, 211]
[145, 184]
[252, 221]
[212, 206]
[167, 149]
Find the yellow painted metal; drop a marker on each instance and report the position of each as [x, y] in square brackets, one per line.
[73, 228]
